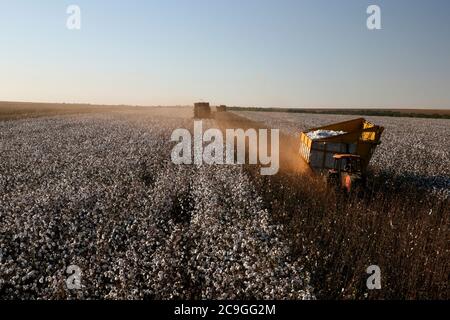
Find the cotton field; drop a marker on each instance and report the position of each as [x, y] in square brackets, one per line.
[413, 150]
[99, 191]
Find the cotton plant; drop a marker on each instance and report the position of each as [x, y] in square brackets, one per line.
[98, 192]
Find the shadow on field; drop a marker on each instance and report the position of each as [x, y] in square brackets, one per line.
[392, 182]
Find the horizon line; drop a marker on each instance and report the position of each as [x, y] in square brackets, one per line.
[230, 106]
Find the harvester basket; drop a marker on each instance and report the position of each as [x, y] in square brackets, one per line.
[357, 136]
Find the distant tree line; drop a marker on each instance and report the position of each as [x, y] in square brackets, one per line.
[365, 112]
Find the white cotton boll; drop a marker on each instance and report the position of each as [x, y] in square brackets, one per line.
[322, 134]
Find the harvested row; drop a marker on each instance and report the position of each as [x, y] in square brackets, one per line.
[394, 225]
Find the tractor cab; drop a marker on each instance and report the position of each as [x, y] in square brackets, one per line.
[347, 171]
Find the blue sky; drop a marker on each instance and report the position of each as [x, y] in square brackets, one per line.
[289, 53]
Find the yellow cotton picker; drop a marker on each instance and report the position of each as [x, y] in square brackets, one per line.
[342, 151]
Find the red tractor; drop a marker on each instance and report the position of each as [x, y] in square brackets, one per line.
[347, 172]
